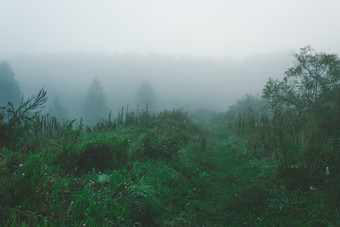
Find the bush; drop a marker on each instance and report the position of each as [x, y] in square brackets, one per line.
[156, 146]
[16, 123]
[103, 155]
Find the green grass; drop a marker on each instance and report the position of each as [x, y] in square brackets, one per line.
[168, 172]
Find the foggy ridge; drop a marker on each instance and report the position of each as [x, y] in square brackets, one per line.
[188, 82]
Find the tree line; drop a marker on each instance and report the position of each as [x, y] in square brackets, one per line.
[296, 122]
[94, 107]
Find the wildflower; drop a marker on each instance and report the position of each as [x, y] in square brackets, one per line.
[20, 165]
[72, 202]
[327, 171]
[84, 224]
[23, 174]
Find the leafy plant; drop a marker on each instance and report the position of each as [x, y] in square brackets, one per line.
[15, 123]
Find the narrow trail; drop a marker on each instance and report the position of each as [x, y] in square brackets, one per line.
[218, 194]
[222, 202]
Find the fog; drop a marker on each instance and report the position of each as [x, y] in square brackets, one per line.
[177, 82]
[191, 27]
[195, 54]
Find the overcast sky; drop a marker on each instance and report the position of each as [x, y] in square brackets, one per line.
[236, 28]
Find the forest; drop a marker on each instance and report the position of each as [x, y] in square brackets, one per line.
[268, 160]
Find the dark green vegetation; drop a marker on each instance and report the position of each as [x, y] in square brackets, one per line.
[266, 162]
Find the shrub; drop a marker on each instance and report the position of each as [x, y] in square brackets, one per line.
[156, 146]
[103, 155]
[16, 123]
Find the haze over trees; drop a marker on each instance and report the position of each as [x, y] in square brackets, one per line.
[306, 106]
[267, 161]
[191, 82]
[9, 87]
[57, 109]
[94, 107]
[146, 97]
[170, 113]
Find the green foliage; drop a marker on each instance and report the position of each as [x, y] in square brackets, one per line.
[305, 107]
[263, 163]
[16, 123]
[293, 133]
[167, 187]
[249, 105]
[102, 155]
[309, 89]
[299, 121]
[156, 146]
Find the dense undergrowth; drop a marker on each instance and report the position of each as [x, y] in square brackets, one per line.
[138, 169]
[145, 169]
[265, 162]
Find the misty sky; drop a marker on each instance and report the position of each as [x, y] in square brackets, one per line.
[236, 28]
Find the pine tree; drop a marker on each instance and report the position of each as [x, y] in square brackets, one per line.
[95, 103]
[146, 97]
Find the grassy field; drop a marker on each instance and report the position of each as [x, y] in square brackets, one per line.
[142, 169]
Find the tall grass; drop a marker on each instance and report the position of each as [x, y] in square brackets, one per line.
[143, 169]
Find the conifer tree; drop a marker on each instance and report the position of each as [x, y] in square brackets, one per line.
[95, 103]
[146, 97]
